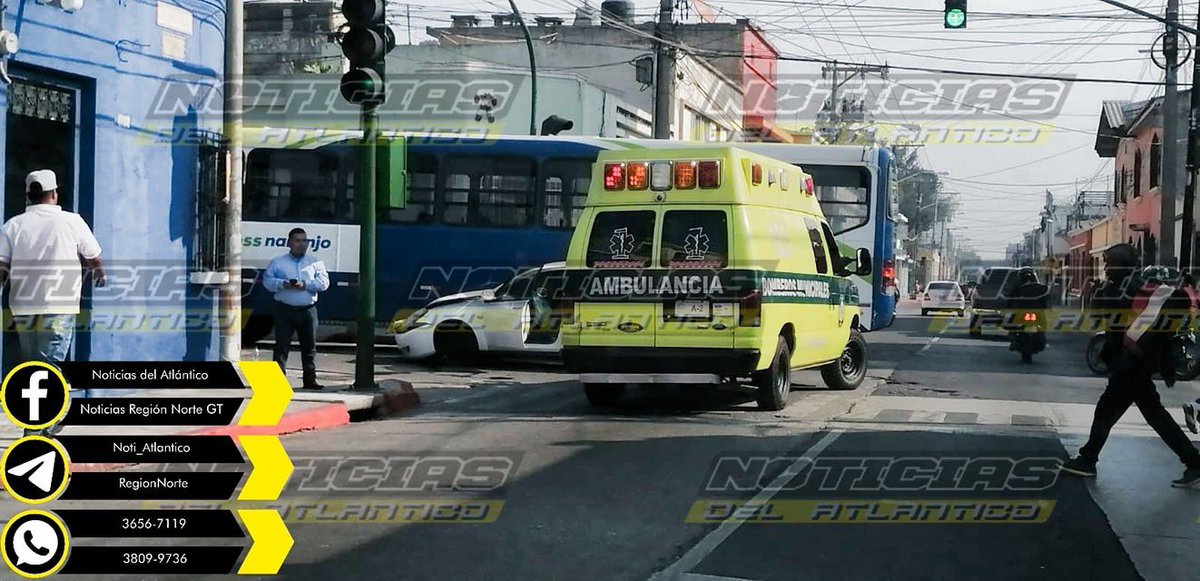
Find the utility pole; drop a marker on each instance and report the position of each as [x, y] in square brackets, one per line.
[231, 291]
[664, 82]
[1186, 249]
[839, 75]
[1172, 161]
[532, 69]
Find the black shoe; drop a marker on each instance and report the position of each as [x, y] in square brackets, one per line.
[1191, 477]
[313, 385]
[1079, 467]
[1190, 413]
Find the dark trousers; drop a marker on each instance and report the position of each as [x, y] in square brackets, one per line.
[302, 323]
[1136, 387]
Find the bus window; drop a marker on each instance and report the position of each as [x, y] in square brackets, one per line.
[694, 239]
[565, 186]
[486, 191]
[295, 185]
[818, 245]
[844, 192]
[422, 184]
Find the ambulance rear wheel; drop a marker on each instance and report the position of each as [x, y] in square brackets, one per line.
[774, 384]
[603, 394]
[850, 369]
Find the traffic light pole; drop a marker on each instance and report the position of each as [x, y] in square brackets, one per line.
[364, 362]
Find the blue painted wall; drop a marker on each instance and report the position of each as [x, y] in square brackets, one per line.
[135, 186]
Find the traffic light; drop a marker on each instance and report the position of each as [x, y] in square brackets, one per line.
[365, 43]
[956, 14]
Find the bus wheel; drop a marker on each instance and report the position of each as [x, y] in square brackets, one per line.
[774, 384]
[256, 329]
[454, 342]
[603, 394]
[850, 369]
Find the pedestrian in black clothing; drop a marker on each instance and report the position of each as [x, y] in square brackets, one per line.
[1132, 359]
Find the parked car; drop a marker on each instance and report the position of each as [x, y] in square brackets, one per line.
[943, 295]
[511, 318]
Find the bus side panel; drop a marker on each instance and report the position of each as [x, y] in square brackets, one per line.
[418, 263]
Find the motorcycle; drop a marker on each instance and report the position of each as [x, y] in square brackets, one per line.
[1027, 335]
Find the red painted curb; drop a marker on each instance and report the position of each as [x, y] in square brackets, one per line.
[331, 415]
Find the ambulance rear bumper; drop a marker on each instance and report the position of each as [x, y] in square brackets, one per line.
[660, 361]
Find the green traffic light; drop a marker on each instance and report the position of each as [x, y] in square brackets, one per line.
[956, 18]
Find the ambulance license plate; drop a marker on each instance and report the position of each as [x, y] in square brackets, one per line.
[692, 310]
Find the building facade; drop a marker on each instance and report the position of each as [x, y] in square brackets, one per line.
[116, 99]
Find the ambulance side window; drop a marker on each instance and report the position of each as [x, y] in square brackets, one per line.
[694, 239]
[818, 245]
[621, 239]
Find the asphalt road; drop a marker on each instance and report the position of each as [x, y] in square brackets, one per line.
[607, 494]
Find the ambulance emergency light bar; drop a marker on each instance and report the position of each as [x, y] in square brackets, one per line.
[662, 175]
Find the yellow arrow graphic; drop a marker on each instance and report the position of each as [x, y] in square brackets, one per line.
[270, 542]
[271, 393]
[271, 468]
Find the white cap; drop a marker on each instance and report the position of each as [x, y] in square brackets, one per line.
[44, 177]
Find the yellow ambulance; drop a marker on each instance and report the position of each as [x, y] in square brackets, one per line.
[707, 265]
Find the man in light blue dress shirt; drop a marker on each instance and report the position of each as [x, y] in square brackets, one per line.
[296, 278]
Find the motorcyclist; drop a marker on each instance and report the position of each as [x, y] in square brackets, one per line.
[1029, 296]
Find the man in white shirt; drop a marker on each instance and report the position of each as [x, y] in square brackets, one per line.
[41, 251]
[296, 278]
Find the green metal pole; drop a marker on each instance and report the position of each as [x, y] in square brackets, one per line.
[364, 365]
[533, 128]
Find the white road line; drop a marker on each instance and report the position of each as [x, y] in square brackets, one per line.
[929, 345]
[700, 577]
[712, 540]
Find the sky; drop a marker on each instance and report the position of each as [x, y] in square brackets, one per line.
[1001, 186]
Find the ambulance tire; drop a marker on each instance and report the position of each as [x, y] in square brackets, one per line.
[774, 384]
[603, 394]
[850, 369]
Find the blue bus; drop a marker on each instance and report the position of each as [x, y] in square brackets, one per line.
[477, 211]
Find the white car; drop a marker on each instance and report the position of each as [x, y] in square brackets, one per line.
[513, 317]
[943, 295]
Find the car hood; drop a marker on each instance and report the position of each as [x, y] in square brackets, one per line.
[457, 298]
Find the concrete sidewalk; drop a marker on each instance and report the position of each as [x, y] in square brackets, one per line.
[1158, 525]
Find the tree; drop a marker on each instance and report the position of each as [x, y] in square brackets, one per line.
[920, 189]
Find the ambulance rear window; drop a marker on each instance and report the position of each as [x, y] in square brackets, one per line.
[621, 239]
[695, 239]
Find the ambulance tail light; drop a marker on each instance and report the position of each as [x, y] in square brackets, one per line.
[685, 175]
[566, 310]
[637, 176]
[750, 310]
[709, 174]
[809, 188]
[614, 176]
[756, 174]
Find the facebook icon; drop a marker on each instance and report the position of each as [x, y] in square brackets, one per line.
[34, 395]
